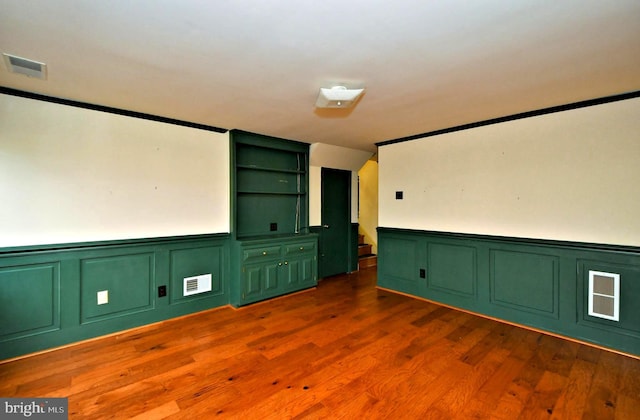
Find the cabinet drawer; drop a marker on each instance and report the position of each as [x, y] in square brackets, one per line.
[263, 253]
[300, 248]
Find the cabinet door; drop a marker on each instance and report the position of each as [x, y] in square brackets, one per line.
[252, 281]
[292, 270]
[307, 271]
[300, 272]
[270, 271]
[260, 280]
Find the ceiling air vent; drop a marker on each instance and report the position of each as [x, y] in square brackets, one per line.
[25, 66]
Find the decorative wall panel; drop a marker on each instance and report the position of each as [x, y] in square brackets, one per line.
[49, 294]
[29, 300]
[128, 280]
[535, 283]
[525, 281]
[452, 268]
[629, 316]
[194, 262]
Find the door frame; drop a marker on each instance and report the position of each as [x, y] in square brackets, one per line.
[348, 235]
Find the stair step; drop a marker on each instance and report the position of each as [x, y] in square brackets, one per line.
[364, 249]
[367, 261]
[360, 239]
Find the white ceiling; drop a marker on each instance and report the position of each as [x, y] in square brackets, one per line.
[258, 65]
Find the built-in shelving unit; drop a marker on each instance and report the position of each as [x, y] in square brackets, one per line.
[274, 252]
[270, 185]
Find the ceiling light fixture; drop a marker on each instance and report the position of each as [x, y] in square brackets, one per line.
[337, 97]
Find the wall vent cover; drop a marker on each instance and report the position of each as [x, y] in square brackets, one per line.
[196, 284]
[604, 295]
[25, 66]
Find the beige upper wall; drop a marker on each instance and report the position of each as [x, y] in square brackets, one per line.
[368, 220]
[69, 174]
[572, 175]
[315, 196]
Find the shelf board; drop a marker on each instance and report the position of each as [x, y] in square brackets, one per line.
[267, 169]
[270, 192]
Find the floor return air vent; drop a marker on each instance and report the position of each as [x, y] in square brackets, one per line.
[604, 295]
[197, 284]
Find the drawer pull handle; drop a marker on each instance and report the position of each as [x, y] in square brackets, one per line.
[301, 248]
[264, 252]
[286, 263]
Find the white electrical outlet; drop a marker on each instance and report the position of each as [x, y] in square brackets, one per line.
[103, 297]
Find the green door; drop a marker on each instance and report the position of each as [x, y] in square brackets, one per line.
[336, 219]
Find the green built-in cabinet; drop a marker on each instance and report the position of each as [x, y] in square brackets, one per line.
[536, 283]
[274, 253]
[273, 267]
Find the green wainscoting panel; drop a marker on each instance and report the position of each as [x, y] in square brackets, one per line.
[29, 300]
[531, 282]
[398, 264]
[525, 281]
[48, 294]
[452, 268]
[629, 322]
[194, 262]
[127, 280]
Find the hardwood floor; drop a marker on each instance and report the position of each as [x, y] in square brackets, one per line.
[344, 350]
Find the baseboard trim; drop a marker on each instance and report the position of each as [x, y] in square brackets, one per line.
[262, 302]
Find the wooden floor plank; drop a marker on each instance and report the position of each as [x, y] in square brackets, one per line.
[601, 397]
[457, 399]
[511, 403]
[158, 413]
[547, 391]
[343, 350]
[486, 399]
[572, 400]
